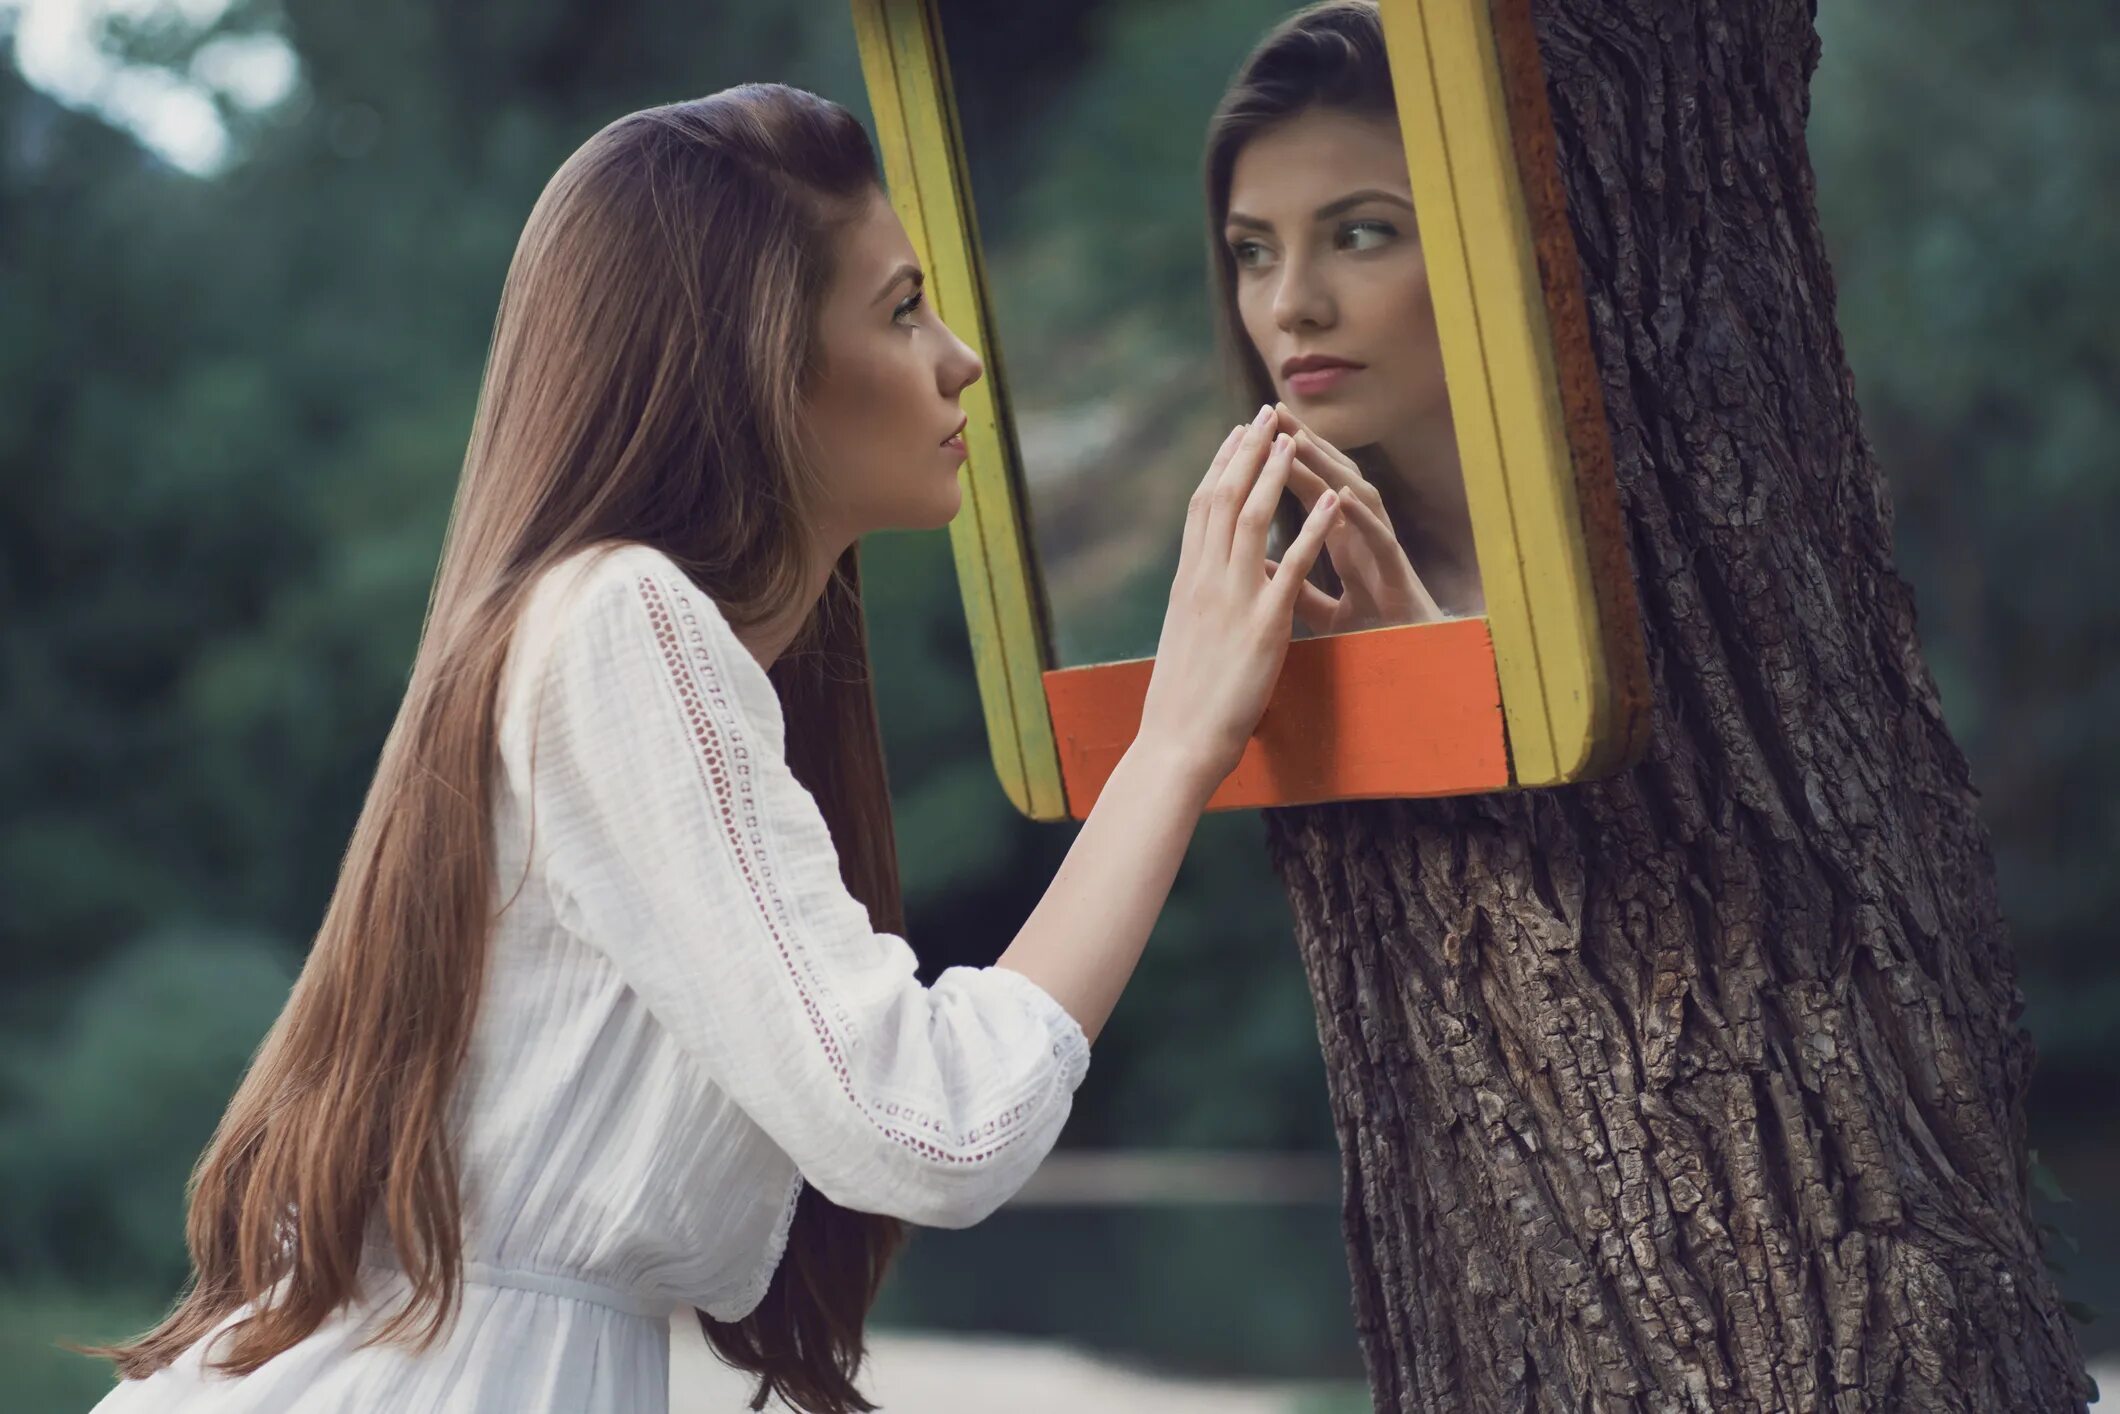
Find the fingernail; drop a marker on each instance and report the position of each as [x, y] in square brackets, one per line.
[1280, 440]
[1265, 415]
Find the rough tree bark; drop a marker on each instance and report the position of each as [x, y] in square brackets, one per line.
[1701, 1088]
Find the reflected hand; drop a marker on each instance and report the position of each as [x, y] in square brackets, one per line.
[1378, 584]
[1226, 631]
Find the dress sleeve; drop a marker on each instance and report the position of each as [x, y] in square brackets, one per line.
[678, 843]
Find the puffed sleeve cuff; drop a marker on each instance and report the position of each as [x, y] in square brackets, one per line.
[1070, 1044]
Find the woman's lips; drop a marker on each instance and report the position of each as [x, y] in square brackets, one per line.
[1313, 381]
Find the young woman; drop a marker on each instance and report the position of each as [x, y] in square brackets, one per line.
[1324, 298]
[608, 1015]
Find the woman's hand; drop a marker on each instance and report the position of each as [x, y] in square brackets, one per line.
[1224, 638]
[1378, 583]
[1226, 630]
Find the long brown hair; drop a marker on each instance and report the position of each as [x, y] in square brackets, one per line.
[644, 380]
[1327, 55]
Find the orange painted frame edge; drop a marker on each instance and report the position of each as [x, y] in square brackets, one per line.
[1334, 728]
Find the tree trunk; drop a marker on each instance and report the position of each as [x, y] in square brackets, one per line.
[1701, 1088]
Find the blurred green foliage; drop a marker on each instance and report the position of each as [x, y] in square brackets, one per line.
[106, 1110]
[231, 415]
[1969, 186]
[38, 1376]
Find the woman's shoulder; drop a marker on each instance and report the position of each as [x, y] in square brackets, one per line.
[587, 592]
[601, 574]
[625, 608]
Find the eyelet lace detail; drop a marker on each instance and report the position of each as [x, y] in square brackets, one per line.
[754, 1290]
[729, 774]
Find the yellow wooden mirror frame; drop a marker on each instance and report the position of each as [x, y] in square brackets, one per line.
[1560, 644]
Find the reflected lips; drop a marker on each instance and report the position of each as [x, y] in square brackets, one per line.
[1312, 374]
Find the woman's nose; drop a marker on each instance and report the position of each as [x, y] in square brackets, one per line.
[963, 368]
[1303, 298]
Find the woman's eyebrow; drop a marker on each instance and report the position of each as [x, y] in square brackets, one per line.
[900, 273]
[1333, 208]
[1326, 212]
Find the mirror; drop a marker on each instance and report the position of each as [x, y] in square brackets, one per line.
[1186, 209]
[1069, 173]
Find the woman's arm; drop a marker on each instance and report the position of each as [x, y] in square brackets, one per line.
[1084, 938]
[675, 841]
[1224, 638]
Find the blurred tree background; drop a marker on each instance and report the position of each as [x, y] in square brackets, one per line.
[240, 344]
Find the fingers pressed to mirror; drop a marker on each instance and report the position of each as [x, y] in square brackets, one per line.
[1371, 523]
[1256, 518]
[1197, 508]
[1305, 484]
[1338, 469]
[1221, 457]
[1235, 482]
[1308, 484]
[1302, 553]
[1350, 535]
[1390, 587]
[1360, 524]
[1317, 610]
[1335, 465]
[1296, 427]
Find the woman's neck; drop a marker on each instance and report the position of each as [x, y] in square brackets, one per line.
[770, 637]
[1424, 487]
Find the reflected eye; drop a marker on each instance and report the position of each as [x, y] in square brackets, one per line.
[1366, 235]
[908, 307]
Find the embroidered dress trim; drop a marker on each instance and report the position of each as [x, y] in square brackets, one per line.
[727, 771]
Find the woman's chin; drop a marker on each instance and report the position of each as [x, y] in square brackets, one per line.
[1333, 423]
[933, 514]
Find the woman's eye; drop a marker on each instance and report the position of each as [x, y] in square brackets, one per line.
[909, 306]
[1249, 254]
[1366, 235]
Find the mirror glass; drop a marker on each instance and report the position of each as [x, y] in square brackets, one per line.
[1187, 209]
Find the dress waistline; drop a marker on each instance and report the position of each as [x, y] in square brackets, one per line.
[477, 1273]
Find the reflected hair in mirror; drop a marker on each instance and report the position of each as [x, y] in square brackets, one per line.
[1327, 55]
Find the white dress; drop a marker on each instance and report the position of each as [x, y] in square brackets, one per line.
[685, 1017]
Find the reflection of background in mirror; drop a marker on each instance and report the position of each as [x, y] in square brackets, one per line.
[1083, 128]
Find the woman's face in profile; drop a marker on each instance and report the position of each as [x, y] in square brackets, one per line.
[1330, 279]
[883, 410]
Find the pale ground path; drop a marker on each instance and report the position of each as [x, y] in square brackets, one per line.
[939, 1374]
[935, 1374]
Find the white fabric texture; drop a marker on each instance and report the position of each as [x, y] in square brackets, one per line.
[685, 1017]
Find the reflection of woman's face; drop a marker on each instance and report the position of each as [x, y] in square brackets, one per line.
[1331, 283]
